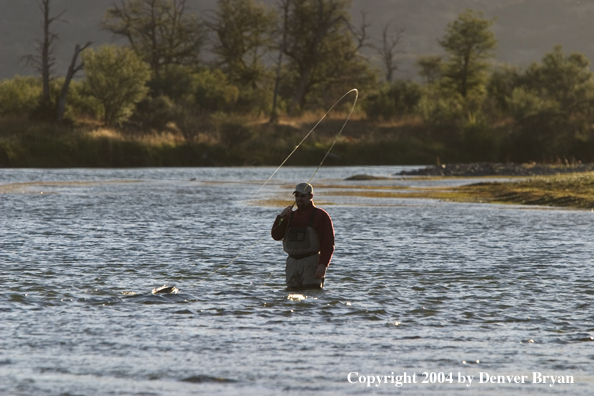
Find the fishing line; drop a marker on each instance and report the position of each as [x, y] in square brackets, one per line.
[33, 171]
[305, 138]
[281, 165]
[270, 276]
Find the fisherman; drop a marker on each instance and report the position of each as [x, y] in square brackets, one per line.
[308, 238]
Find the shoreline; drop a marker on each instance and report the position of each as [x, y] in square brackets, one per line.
[482, 169]
[566, 186]
[562, 186]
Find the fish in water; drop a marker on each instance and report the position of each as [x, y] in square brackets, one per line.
[165, 289]
[296, 297]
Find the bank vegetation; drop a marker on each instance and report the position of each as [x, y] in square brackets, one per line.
[244, 84]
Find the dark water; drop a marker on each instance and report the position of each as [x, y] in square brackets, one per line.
[416, 286]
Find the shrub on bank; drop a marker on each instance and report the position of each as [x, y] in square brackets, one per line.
[236, 141]
[19, 96]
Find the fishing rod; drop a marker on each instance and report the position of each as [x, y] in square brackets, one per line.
[305, 138]
[281, 165]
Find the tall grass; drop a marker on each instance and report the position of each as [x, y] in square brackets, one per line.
[233, 140]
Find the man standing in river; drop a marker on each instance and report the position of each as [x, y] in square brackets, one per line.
[308, 239]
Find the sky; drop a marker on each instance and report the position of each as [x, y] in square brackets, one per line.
[526, 29]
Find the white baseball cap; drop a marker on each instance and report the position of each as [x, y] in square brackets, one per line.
[303, 188]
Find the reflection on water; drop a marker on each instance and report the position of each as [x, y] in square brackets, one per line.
[415, 286]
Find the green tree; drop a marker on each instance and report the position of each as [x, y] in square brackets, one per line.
[320, 48]
[500, 87]
[541, 132]
[116, 77]
[243, 39]
[566, 79]
[243, 30]
[469, 44]
[553, 104]
[161, 32]
[430, 67]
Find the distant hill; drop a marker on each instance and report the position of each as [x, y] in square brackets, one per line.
[526, 29]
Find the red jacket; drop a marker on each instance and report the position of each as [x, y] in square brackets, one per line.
[322, 223]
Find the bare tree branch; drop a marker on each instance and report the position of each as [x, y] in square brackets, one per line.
[162, 32]
[43, 61]
[391, 38]
[284, 6]
[360, 33]
[72, 70]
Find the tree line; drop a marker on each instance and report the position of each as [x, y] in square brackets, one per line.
[243, 57]
[180, 69]
[543, 112]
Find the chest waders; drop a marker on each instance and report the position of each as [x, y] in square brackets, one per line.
[301, 242]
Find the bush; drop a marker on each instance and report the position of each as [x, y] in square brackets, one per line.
[393, 100]
[232, 129]
[192, 121]
[80, 103]
[213, 92]
[117, 78]
[543, 130]
[154, 113]
[176, 82]
[439, 109]
[19, 96]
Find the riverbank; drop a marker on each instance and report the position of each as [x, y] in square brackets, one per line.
[27, 144]
[559, 185]
[226, 141]
[232, 140]
[235, 140]
[479, 169]
[551, 185]
[574, 190]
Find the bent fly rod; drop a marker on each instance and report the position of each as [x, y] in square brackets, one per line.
[356, 92]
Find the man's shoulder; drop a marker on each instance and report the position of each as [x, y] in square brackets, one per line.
[322, 212]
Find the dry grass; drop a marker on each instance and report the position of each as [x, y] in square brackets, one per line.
[150, 139]
[574, 191]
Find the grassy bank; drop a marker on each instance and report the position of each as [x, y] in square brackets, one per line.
[574, 190]
[228, 142]
[30, 144]
[231, 140]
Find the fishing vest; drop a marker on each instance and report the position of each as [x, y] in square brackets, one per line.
[301, 242]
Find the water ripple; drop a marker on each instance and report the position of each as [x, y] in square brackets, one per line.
[422, 286]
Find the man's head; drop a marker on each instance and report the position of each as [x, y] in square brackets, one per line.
[303, 195]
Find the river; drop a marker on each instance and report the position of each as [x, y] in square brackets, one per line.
[422, 297]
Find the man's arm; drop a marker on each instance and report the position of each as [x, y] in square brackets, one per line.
[326, 235]
[280, 224]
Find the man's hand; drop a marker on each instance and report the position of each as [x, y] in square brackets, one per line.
[320, 271]
[286, 212]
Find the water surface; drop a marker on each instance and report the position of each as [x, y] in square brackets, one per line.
[415, 286]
